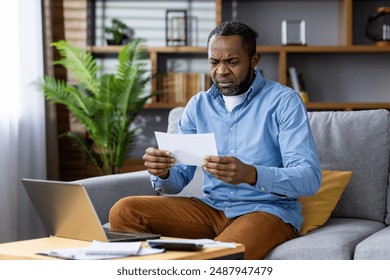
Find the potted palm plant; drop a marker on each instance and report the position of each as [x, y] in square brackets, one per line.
[105, 104]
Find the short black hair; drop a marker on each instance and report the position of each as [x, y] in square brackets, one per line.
[247, 35]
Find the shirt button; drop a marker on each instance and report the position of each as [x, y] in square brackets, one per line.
[226, 208]
[232, 128]
[262, 189]
[231, 193]
[232, 151]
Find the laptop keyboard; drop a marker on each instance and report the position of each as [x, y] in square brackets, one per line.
[113, 235]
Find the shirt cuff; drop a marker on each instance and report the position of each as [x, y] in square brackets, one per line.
[264, 179]
[158, 182]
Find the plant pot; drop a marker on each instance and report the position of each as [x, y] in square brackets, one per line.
[111, 42]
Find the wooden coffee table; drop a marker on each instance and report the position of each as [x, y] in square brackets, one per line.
[28, 249]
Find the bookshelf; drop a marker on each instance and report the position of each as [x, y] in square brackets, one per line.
[342, 42]
[343, 69]
[336, 51]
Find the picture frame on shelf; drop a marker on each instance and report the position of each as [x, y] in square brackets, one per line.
[294, 32]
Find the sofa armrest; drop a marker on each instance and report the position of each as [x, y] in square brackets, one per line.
[104, 191]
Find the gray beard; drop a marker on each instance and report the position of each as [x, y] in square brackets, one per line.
[230, 91]
[239, 89]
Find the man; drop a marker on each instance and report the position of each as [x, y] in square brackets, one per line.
[267, 158]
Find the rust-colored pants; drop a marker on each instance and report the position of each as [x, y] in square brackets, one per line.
[185, 217]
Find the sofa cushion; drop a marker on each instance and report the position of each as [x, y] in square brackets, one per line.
[104, 191]
[374, 247]
[174, 118]
[335, 241]
[317, 209]
[357, 141]
[194, 188]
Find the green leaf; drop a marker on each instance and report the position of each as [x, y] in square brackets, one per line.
[81, 65]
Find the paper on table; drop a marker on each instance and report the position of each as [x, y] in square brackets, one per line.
[188, 149]
[102, 250]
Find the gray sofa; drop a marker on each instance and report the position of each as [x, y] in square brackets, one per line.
[357, 141]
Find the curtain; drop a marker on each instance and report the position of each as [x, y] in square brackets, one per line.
[22, 116]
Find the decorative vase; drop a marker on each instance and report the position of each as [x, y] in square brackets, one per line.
[378, 26]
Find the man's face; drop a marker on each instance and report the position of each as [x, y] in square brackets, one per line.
[231, 68]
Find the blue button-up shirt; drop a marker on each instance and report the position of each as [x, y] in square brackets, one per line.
[269, 129]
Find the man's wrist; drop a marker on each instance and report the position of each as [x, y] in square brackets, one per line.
[252, 179]
[164, 175]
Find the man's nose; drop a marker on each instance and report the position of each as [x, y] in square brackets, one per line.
[222, 69]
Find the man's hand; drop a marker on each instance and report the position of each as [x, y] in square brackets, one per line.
[230, 170]
[158, 162]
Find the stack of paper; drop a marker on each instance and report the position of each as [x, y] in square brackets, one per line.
[102, 250]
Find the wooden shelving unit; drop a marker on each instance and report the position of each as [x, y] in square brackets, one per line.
[345, 46]
[284, 51]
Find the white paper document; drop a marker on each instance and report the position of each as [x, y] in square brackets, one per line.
[188, 149]
[103, 250]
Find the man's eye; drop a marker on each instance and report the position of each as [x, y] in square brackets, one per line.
[233, 62]
[213, 62]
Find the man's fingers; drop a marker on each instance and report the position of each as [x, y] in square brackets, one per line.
[216, 159]
[157, 165]
[155, 155]
[156, 152]
[158, 162]
[219, 163]
[158, 159]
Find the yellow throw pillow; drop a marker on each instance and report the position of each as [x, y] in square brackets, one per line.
[317, 209]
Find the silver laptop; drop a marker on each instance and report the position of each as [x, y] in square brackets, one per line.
[66, 211]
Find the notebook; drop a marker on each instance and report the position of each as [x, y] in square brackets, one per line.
[66, 210]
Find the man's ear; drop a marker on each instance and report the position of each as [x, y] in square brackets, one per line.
[255, 60]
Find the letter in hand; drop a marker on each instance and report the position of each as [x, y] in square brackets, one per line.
[158, 162]
[230, 170]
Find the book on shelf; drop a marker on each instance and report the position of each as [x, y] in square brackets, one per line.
[297, 83]
[292, 73]
[177, 87]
